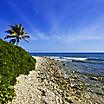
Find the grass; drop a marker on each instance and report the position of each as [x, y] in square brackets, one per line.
[13, 61]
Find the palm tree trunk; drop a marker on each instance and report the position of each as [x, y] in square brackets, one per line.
[17, 40]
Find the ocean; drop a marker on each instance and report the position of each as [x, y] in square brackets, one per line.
[91, 63]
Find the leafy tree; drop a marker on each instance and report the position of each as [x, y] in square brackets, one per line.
[16, 33]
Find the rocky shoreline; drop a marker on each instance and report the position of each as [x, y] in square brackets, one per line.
[51, 83]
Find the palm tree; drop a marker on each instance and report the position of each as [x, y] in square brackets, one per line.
[16, 33]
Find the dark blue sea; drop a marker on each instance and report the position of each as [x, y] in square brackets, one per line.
[92, 63]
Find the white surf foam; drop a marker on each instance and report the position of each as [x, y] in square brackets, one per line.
[67, 58]
[75, 58]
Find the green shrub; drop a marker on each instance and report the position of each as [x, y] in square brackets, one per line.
[13, 62]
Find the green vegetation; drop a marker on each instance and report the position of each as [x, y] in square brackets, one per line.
[13, 62]
[16, 33]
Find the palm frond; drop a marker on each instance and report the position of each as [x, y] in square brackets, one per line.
[17, 32]
[10, 36]
[26, 36]
[20, 25]
[9, 31]
[12, 41]
[12, 27]
[20, 28]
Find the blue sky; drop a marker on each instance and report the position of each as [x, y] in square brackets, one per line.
[57, 25]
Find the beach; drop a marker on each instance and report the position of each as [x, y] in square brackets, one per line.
[51, 83]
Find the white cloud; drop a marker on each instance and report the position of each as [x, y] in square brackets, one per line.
[37, 35]
[92, 31]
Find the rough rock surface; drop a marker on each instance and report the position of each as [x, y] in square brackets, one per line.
[50, 84]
